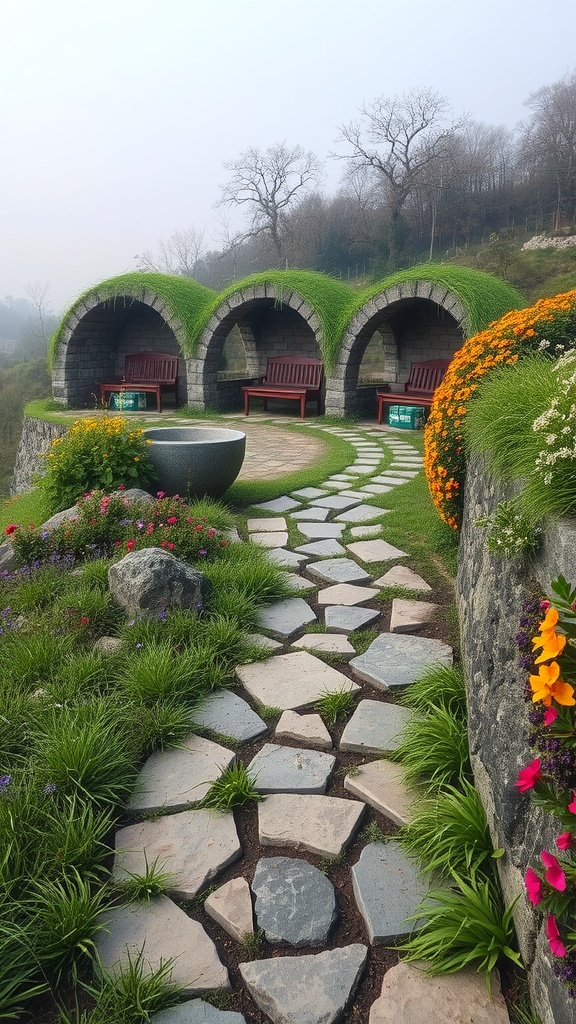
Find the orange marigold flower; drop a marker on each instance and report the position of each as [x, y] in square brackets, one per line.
[547, 686]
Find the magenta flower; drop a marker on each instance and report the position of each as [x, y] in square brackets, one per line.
[557, 947]
[550, 715]
[554, 874]
[572, 804]
[533, 887]
[528, 776]
[564, 841]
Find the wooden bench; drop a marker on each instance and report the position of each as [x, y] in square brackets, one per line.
[152, 372]
[291, 377]
[419, 388]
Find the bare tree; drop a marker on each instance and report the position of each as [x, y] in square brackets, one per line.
[550, 141]
[269, 183]
[44, 322]
[400, 139]
[178, 255]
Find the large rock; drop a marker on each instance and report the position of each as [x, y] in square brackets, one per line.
[150, 581]
[295, 902]
[409, 996]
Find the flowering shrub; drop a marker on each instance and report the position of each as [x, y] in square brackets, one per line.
[550, 777]
[96, 452]
[549, 320]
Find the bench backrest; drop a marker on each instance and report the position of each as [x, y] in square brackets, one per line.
[153, 367]
[295, 371]
[425, 377]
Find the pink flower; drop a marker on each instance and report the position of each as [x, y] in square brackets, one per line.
[172, 520]
[564, 841]
[528, 776]
[160, 494]
[554, 874]
[84, 620]
[545, 605]
[572, 805]
[557, 948]
[533, 887]
[550, 715]
[121, 487]
[130, 544]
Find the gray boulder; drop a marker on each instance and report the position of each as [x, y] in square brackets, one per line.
[150, 581]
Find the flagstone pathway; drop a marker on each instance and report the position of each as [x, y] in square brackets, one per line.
[288, 899]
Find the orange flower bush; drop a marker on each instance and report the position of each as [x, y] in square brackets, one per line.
[548, 325]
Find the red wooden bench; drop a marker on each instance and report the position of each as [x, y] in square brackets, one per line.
[292, 377]
[152, 372]
[419, 388]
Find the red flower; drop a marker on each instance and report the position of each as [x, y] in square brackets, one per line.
[10, 529]
[564, 841]
[121, 487]
[554, 874]
[199, 527]
[84, 620]
[572, 805]
[550, 716]
[130, 544]
[557, 948]
[528, 776]
[533, 887]
[172, 520]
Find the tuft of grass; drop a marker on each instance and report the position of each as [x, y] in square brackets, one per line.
[235, 787]
[440, 687]
[335, 705]
[250, 945]
[140, 888]
[433, 750]
[134, 996]
[65, 917]
[160, 725]
[362, 638]
[449, 835]
[268, 713]
[372, 833]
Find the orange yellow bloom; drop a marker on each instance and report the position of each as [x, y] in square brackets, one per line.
[547, 686]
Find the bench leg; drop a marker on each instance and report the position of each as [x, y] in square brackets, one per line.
[246, 404]
[303, 407]
[380, 405]
[159, 400]
[265, 404]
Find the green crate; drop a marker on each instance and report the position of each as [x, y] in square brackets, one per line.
[407, 417]
[127, 401]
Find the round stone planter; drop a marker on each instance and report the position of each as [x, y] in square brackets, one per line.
[192, 461]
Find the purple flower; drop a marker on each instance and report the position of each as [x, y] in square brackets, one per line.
[139, 647]
[5, 781]
[202, 552]
[50, 788]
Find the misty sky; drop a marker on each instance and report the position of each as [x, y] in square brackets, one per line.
[116, 115]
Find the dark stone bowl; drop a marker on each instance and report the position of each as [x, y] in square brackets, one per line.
[192, 461]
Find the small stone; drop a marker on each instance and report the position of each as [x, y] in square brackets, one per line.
[375, 727]
[286, 559]
[409, 996]
[291, 681]
[313, 513]
[286, 617]
[308, 730]
[388, 888]
[342, 619]
[269, 540]
[291, 770]
[108, 645]
[224, 712]
[381, 784]
[410, 616]
[365, 531]
[402, 576]
[263, 641]
[331, 643]
[266, 525]
[309, 492]
[362, 514]
[375, 550]
[231, 907]
[336, 501]
[346, 594]
[319, 824]
[295, 902]
[196, 1011]
[338, 570]
[376, 488]
[318, 531]
[279, 505]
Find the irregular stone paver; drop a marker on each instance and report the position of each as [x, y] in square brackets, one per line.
[405, 463]
[381, 784]
[342, 619]
[272, 525]
[270, 540]
[376, 488]
[401, 474]
[339, 485]
[295, 902]
[390, 481]
[309, 730]
[196, 1011]
[338, 570]
[335, 501]
[365, 531]
[339, 476]
[193, 846]
[388, 888]
[313, 989]
[308, 492]
[319, 824]
[320, 530]
[299, 583]
[402, 576]
[165, 932]
[315, 514]
[177, 778]
[286, 617]
[322, 548]
[375, 550]
[332, 643]
[291, 770]
[286, 559]
[409, 616]
[346, 594]
[409, 996]
[362, 514]
[352, 494]
[263, 641]
[375, 727]
[291, 681]
[226, 713]
[231, 907]
[393, 659]
[279, 505]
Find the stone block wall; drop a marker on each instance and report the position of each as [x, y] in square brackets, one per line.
[490, 595]
[35, 440]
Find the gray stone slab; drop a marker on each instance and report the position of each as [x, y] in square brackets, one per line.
[375, 550]
[394, 660]
[264, 641]
[405, 464]
[295, 902]
[272, 525]
[308, 492]
[291, 681]
[353, 494]
[167, 933]
[299, 583]
[318, 824]
[194, 846]
[313, 989]
[339, 485]
[410, 616]
[366, 531]
[318, 531]
[339, 476]
[346, 594]
[178, 778]
[286, 559]
[409, 996]
[376, 489]
[388, 889]
[342, 619]
[226, 713]
[375, 727]
[402, 576]
[286, 617]
[270, 540]
[390, 481]
[362, 514]
[381, 784]
[336, 501]
[231, 907]
[321, 548]
[196, 1011]
[279, 505]
[291, 769]
[308, 730]
[312, 514]
[338, 570]
[330, 643]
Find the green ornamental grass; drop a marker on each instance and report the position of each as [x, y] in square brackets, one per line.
[433, 750]
[235, 786]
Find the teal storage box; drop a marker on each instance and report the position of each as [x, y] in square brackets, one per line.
[127, 401]
[407, 417]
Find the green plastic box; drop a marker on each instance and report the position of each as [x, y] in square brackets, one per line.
[127, 401]
[407, 417]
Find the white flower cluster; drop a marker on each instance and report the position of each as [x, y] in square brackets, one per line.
[509, 531]
[558, 423]
[543, 242]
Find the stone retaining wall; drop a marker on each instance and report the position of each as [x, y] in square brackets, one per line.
[35, 440]
[490, 594]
